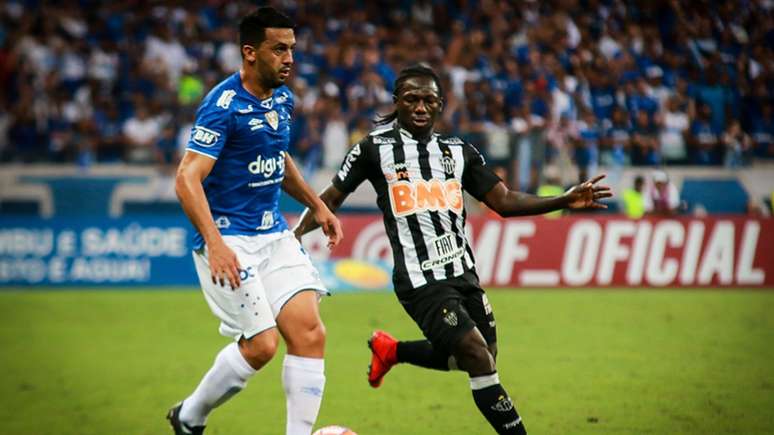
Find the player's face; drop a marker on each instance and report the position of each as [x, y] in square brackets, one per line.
[273, 59]
[418, 104]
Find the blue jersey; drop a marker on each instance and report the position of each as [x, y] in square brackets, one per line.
[249, 139]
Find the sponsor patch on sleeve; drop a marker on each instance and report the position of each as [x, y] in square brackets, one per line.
[204, 136]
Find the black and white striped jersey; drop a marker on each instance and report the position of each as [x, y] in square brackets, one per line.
[419, 191]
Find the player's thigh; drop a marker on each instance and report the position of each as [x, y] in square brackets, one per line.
[287, 272]
[438, 310]
[244, 311]
[480, 310]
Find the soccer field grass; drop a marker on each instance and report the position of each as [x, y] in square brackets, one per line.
[575, 362]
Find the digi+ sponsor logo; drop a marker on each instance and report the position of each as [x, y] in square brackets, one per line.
[267, 166]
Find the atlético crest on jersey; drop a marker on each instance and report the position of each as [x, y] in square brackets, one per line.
[273, 119]
[448, 164]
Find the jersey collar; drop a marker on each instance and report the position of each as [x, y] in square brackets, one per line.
[407, 134]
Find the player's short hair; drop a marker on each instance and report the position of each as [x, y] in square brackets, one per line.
[417, 70]
[252, 28]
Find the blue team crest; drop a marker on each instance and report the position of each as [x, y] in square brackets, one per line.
[273, 119]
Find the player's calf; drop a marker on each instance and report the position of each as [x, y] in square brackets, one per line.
[474, 356]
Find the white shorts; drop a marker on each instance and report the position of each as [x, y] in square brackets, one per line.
[274, 269]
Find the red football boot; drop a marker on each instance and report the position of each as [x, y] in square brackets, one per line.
[384, 355]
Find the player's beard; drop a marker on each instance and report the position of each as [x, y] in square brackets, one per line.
[270, 77]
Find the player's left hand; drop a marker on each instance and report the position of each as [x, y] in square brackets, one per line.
[330, 225]
[588, 194]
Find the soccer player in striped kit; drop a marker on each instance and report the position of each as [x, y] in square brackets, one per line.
[419, 176]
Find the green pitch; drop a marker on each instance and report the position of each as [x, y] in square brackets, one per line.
[575, 362]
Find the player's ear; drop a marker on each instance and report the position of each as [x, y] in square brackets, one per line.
[394, 98]
[248, 53]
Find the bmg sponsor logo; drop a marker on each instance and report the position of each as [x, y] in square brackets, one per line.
[411, 197]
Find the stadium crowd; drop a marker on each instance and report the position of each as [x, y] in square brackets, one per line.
[568, 82]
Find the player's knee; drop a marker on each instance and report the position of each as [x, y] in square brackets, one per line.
[493, 350]
[307, 339]
[475, 359]
[260, 349]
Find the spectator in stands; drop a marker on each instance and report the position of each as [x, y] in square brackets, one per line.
[646, 149]
[716, 97]
[638, 99]
[335, 136]
[141, 132]
[617, 141]
[674, 125]
[558, 59]
[737, 145]
[560, 137]
[587, 145]
[111, 145]
[704, 138]
[498, 139]
[656, 88]
[530, 130]
[84, 143]
[166, 151]
[663, 197]
[26, 141]
[763, 131]
[634, 199]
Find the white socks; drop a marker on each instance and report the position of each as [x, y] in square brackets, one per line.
[228, 376]
[304, 382]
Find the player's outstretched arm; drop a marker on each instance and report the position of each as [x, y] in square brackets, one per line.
[193, 169]
[332, 197]
[296, 187]
[509, 203]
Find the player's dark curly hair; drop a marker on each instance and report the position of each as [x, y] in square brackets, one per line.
[418, 70]
[252, 28]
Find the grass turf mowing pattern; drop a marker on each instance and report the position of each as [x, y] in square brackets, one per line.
[575, 362]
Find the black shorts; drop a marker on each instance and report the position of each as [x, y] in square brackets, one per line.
[448, 309]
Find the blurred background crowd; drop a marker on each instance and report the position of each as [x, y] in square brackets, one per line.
[567, 85]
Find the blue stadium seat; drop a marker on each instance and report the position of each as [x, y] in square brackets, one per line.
[715, 195]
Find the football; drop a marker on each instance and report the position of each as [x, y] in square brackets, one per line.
[334, 430]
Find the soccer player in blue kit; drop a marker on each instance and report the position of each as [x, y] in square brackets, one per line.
[254, 274]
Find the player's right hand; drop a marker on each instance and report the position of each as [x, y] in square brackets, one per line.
[330, 225]
[224, 265]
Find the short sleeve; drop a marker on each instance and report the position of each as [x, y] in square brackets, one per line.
[353, 170]
[210, 130]
[477, 178]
